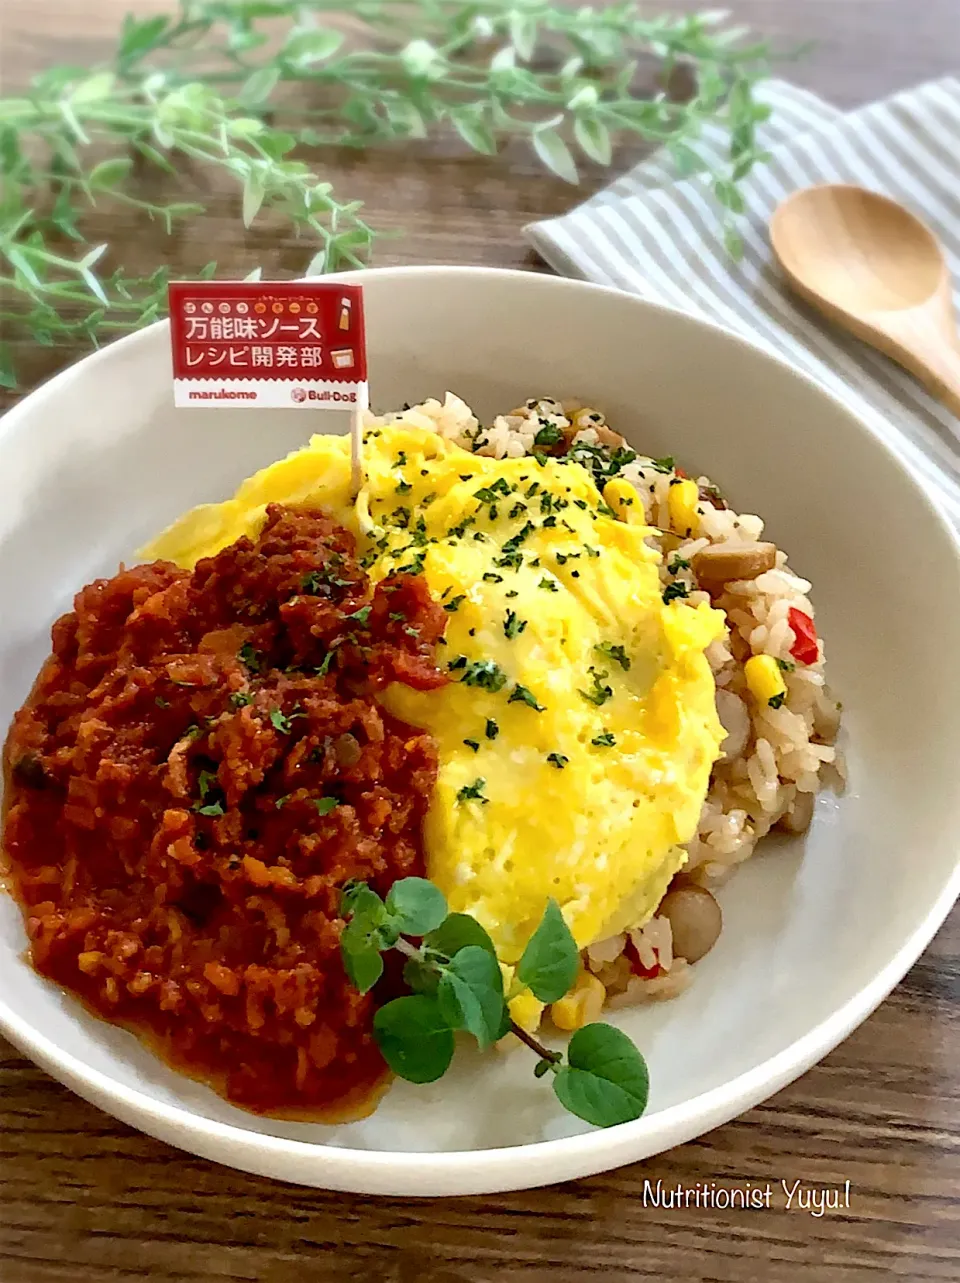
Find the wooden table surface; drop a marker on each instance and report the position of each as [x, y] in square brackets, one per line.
[84, 1199]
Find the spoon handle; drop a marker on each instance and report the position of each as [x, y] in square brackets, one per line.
[925, 340]
[943, 378]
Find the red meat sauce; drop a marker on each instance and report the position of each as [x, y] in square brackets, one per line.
[200, 767]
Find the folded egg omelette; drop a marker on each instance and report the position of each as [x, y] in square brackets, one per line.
[578, 733]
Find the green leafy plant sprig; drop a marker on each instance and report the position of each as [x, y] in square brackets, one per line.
[457, 986]
[233, 87]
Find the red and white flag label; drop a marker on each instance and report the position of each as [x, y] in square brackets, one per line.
[276, 344]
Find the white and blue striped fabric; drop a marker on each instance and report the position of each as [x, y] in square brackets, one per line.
[655, 234]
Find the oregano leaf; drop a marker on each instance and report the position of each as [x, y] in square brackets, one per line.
[605, 1080]
[416, 906]
[551, 960]
[414, 1038]
[420, 976]
[471, 994]
[456, 932]
[361, 958]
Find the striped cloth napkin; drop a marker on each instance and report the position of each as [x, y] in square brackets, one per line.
[655, 234]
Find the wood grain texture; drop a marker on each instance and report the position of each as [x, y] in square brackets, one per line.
[86, 1200]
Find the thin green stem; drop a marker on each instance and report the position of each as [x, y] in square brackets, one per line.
[554, 1057]
[409, 950]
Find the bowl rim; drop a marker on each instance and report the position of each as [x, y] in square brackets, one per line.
[538, 1163]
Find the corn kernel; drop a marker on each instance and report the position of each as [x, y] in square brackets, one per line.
[682, 500]
[625, 502]
[526, 1010]
[764, 678]
[582, 1004]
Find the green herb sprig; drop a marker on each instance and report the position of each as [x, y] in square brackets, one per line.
[233, 88]
[77, 142]
[457, 986]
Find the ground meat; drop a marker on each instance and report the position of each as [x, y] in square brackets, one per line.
[198, 770]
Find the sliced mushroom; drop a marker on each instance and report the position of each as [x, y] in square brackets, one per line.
[735, 716]
[607, 437]
[582, 421]
[695, 920]
[797, 818]
[723, 562]
[710, 494]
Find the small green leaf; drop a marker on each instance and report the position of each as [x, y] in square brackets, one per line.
[92, 284]
[276, 143]
[606, 1080]
[471, 994]
[110, 173]
[414, 1038]
[523, 33]
[416, 905]
[95, 88]
[93, 256]
[257, 88]
[245, 127]
[361, 958]
[406, 118]
[358, 900]
[139, 38]
[555, 154]
[19, 260]
[551, 959]
[593, 138]
[253, 195]
[685, 158]
[473, 129]
[456, 932]
[420, 976]
[325, 805]
[316, 44]
[728, 194]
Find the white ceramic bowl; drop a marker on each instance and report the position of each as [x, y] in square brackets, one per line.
[817, 931]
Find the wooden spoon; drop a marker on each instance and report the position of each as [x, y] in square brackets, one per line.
[872, 266]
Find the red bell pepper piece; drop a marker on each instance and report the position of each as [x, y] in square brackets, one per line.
[636, 966]
[804, 649]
